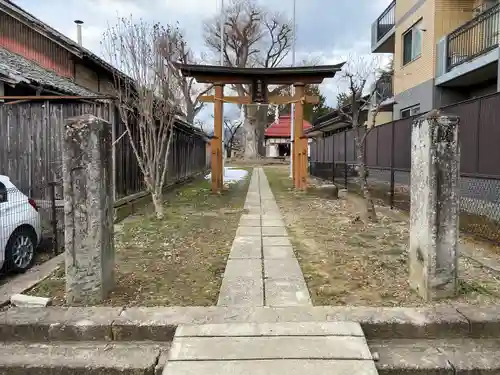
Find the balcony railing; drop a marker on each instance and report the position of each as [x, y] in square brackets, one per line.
[386, 21]
[475, 38]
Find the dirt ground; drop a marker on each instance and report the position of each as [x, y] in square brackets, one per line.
[179, 260]
[348, 262]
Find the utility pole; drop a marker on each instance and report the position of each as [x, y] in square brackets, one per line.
[222, 21]
[292, 112]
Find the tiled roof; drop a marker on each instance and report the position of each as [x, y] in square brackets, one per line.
[281, 128]
[15, 68]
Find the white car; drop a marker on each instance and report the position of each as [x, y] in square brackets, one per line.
[20, 228]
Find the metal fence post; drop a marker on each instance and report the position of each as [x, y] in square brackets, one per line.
[53, 221]
[391, 198]
[345, 159]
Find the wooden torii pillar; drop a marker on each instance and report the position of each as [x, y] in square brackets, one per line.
[217, 149]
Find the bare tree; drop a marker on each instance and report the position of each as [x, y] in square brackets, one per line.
[231, 128]
[201, 125]
[360, 106]
[146, 95]
[253, 37]
[188, 88]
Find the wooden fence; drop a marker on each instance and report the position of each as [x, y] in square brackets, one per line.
[31, 147]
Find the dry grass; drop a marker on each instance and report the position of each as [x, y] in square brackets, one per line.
[177, 261]
[348, 262]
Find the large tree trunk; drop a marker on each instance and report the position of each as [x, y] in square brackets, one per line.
[250, 128]
[261, 129]
[254, 127]
[363, 183]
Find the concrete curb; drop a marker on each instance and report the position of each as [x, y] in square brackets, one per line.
[160, 323]
[21, 283]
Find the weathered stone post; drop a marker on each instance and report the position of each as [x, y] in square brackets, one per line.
[88, 209]
[435, 166]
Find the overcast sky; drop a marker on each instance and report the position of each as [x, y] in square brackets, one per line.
[329, 29]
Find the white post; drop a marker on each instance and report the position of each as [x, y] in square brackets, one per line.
[292, 112]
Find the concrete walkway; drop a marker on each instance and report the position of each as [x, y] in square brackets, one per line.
[262, 269]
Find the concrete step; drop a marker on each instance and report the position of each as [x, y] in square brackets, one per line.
[441, 356]
[82, 358]
[331, 348]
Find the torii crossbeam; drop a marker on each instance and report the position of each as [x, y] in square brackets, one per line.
[259, 79]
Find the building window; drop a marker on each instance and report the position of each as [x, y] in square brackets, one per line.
[412, 43]
[410, 111]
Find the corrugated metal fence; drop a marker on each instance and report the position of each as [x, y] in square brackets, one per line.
[388, 158]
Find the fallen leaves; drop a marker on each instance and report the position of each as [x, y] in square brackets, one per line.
[347, 261]
[178, 260]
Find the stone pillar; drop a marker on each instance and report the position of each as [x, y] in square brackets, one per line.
[435, 166]
[88, 209]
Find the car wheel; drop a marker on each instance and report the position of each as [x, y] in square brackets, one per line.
[20, 251]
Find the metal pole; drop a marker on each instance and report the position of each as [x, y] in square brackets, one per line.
[222, 21]
[55, 240]
[292, 112]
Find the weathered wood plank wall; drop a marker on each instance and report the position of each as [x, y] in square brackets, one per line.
[31, 140]
[31, 147]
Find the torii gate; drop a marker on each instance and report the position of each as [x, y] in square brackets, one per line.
[259, 79]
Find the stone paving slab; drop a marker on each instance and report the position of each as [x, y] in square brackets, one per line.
[271, 216]
[246, 248]
[269, 347]
[250, 216]
[287, 268]
[274, 231]
[271, 329]
[242, 291]
[270, 211]
[249, 268]
[250, 222]
[276, 241]
[278, 252]
[271, 367]
[272, 222]
[287, 292]
[249, 231]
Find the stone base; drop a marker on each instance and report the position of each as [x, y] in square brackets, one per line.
[326, 191]
[343, 193]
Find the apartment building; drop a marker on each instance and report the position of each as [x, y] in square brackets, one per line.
[445, 51]
[37, 59]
